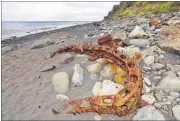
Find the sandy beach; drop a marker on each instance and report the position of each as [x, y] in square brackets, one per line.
[27, 93]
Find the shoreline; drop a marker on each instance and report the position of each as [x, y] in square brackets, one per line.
[25, 38]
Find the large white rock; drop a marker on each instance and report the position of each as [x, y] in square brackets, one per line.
[77, 77]
[94, 68]
[96, 88]
[60, 81]
[106, 73]
[170, 82]
[148, 113]
[137, 32]
[149, 60]
[107, 87]
[176, 111]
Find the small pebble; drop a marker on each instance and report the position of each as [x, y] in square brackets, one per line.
[146, 68]
[147, 81]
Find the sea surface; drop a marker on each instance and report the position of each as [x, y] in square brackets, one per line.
[22, 28]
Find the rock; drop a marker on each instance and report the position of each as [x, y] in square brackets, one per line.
[173, 22]
[100, 60]
[81, 56]
[8, 49]
[159, 95]
[138, 32]
[107, 87]
[94, 68]
[139, 42]
[157, 66]
[77, 77]
[60, 81]
[106, 73]
[157, 78]
[147, 81]
[169, 40]
[178, 100]
[149, 60]
[175, 94]
[91, 34]
[42, 43]
[146, 68]
[148, 98]
[157, 105]
[148, 113]
[154, 22]
[62, 97]
[66, 58]
[170, 82]
[97, 117]
[176, 111]
[129, 51]
[48, 68]
[178, 73]
[120, 34]
[94, 77]
[96, 88]
[146, 89]
[158, 58]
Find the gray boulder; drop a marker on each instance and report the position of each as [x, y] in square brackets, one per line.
[171, 82]
[139, 42]
[42, 43]
[148, 113]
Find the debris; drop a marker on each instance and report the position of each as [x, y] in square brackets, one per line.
[111, 90]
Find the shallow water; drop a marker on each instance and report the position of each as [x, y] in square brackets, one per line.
[21, 28]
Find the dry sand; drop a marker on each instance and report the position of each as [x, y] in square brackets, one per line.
[28, 93]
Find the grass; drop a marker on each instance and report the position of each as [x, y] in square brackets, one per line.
[143, 8]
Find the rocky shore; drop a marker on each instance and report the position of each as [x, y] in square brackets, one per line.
[29, 76]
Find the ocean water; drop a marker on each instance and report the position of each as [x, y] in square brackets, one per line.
[22, 28]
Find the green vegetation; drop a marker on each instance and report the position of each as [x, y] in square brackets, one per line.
[143, 8]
